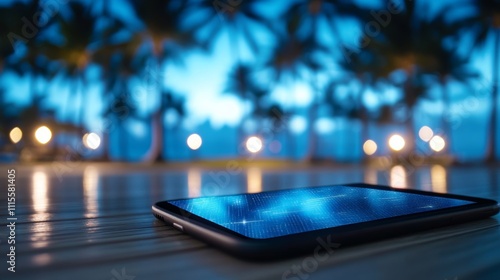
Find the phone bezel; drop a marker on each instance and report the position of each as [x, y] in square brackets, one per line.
[245, 246]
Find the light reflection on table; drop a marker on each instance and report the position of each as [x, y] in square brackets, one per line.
[254, 180]
[96, 185]
[100, 214]
[40, 203]
[398, 177]
[39, 194]
[90, 191]
[438, 178]
[194, 182]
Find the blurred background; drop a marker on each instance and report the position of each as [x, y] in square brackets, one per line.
[310, 80]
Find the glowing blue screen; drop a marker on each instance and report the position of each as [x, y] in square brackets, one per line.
[273, 214]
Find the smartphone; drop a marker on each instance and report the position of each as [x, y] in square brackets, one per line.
[288, 222]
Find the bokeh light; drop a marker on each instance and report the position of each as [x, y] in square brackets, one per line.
[396, 142]
[298, 124]
[437, 143]
[254, 144]
[425, 133]
[369, 147]
[194, 141]
[43, 134]
[16, 135]
[91, 140]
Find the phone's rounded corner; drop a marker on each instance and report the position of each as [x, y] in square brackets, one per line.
[157, 212]
[496, 208]
[154, 207]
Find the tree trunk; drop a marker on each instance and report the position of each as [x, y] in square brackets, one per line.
[494, 98]
[409, 90]
[291, 143]
[33, 88]
[105, 145]
[155, 148]
[81, 92]
[122, 146]
[312, 116]
[235, 52]
[68, 115]
[312, 135]
[447, 133]
[79, 99]
[160, 136]
[155, 152]
[365, 135]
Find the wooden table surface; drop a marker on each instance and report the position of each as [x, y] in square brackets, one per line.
[94, 221]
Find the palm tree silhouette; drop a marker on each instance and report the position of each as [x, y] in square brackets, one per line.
[398, 46]
[6, 115]
[348, 107]
[269, 117]
[210, 19]
[11, 25]
[29, 59]
[119, 109]
[118, 68]
[78, 28]
[419, 45]
[403, 45]
[301, 44]
[173, 102]
[291, 57]
[312, 15]
[168, 101]
[242, 83]
[447, 73]
[163, 33]
[119, 61]
[485, 22]
[369, 69]
[445, 62]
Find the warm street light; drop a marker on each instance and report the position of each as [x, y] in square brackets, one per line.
[254, 144]
[91, 140]
[437, 143]
[425, 133]
[43, 134]
[396, 142]
[369, 147]
[194, 141]
[16, 135]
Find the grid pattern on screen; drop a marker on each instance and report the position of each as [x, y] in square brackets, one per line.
[273, 214]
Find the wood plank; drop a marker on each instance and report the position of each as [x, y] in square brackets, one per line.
[87, 226]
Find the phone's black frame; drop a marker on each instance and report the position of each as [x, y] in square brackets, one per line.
[288, 245]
